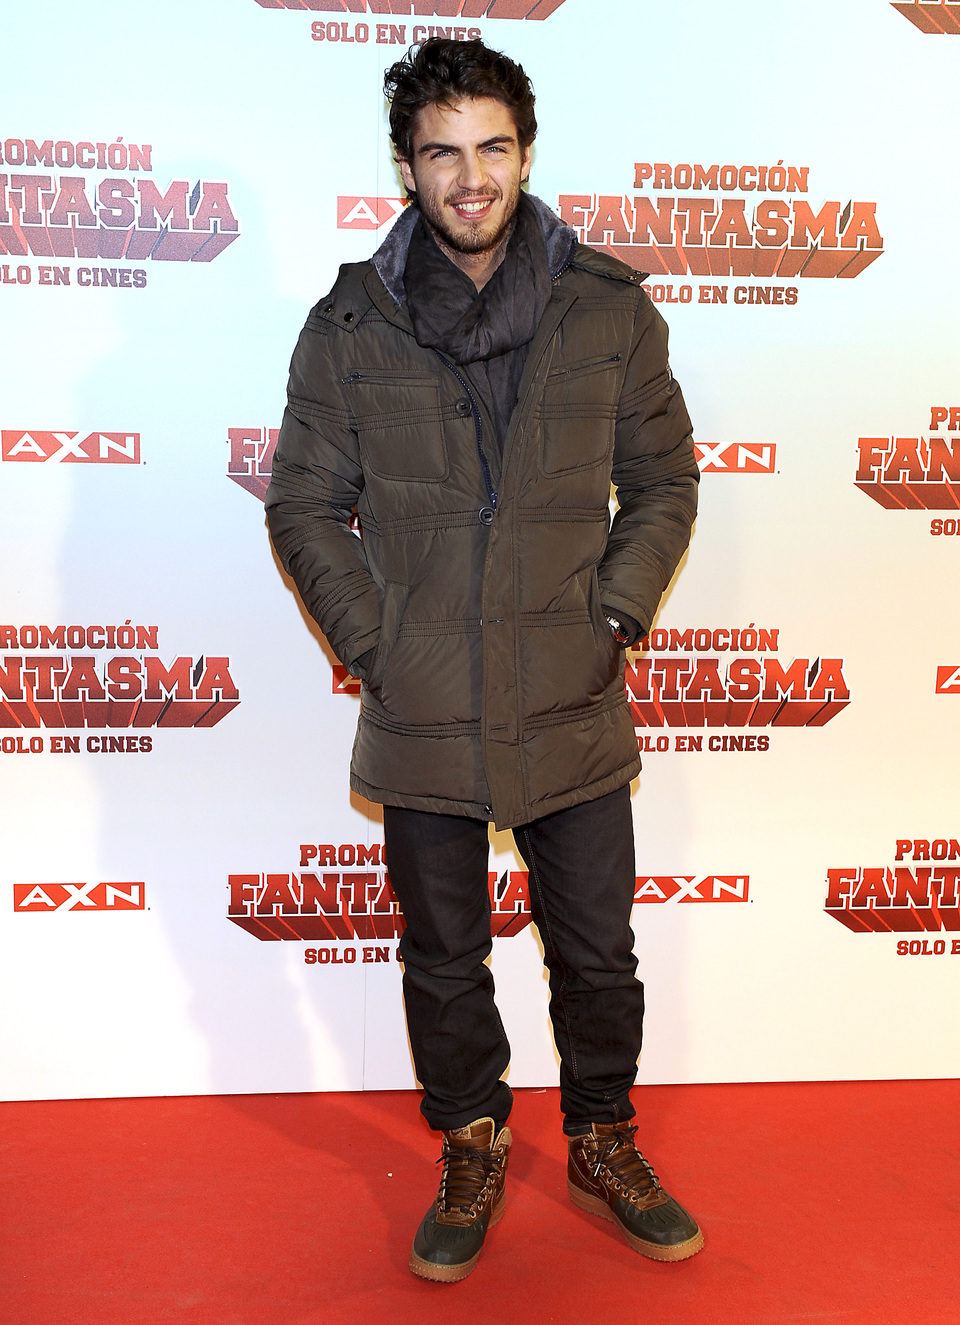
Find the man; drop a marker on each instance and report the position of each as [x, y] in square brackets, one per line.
[473, 390]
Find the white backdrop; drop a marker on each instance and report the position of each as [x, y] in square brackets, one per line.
[179, 185]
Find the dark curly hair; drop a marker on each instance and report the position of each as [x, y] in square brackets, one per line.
[440, 72]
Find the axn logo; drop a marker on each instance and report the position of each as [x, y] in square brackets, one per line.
[948, 680]
[93, 448]
[736, 458]
[368, 213]
[914, 473]
[687, 888]
[48, 898]
[250, 462]
[533, 9]
[937, 18]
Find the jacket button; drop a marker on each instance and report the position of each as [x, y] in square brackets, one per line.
[486, 515]
[462, 407]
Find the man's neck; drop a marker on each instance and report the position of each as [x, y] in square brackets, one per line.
[478, 266]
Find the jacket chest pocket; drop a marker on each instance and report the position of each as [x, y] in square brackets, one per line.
[399, 424]
[578, 413]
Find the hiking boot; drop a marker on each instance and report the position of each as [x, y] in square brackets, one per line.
[470, 1200]
[608, 1176]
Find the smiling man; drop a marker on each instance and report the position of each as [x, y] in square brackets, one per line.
[473, 390]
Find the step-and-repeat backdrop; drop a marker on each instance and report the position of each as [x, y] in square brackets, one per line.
[190, 898]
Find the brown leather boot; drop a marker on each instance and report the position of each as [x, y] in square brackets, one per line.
[608, 1176]
[470, 1200]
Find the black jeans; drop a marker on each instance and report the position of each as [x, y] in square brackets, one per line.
[582, 878]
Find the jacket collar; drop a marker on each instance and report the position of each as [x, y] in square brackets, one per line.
[390, 258]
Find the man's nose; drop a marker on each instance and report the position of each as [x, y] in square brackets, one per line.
[473, 173]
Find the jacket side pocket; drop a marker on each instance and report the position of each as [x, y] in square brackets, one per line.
[394, 601]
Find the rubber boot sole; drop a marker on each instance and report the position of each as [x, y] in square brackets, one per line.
[452, 1274]
[680, 1251]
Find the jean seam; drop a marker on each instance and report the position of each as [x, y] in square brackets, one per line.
[534, 875]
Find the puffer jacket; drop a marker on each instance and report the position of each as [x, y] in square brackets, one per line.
[492, 685]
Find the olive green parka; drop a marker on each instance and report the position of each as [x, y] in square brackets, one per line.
[494, 687]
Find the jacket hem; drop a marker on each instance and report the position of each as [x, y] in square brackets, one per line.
[591, 791]
[429, 804]
[470, 810]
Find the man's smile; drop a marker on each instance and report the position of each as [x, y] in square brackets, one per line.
[473, 207]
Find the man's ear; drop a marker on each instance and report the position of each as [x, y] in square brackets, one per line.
[406, 174]
[525, 165]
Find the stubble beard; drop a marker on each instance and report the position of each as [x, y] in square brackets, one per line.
[470, 239]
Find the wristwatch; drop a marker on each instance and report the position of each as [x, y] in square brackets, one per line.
[617, 631]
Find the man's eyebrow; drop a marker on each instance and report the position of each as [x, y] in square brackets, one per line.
[450, 147]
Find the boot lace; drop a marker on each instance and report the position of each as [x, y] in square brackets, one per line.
[628, 1171]
[466, 1176]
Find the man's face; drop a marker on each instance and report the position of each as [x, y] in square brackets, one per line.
[466, 170]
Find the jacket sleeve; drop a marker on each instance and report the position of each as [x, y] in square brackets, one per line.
[655, 476]
[315, 482]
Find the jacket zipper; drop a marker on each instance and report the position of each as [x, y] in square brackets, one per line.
[560, 270]
[477, 428]
[388, 379]
[584, 367]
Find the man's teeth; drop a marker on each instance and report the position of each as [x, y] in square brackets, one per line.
[472, 206]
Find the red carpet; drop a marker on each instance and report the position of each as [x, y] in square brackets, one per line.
[819, 1203]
